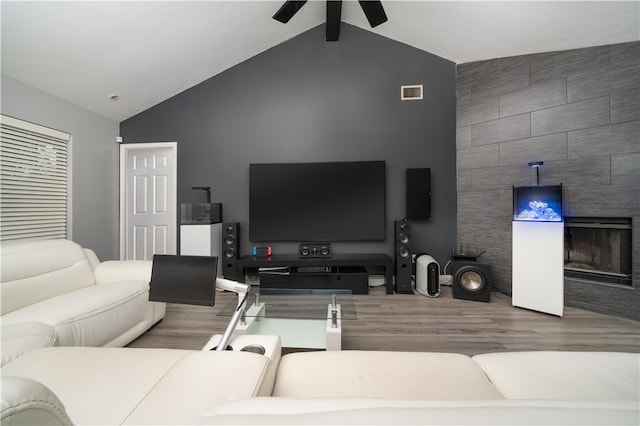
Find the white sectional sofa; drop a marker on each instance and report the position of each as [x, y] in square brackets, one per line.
[54, 292]
[59, 303]
[164, 386]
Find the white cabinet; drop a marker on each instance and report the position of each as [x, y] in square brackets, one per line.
[202, 240]
[538, 266]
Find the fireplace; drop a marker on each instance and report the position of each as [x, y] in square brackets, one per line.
[598, 249]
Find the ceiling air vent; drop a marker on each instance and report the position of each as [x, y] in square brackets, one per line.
[411, 93]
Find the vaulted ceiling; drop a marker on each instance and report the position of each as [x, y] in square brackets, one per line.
[146, 52]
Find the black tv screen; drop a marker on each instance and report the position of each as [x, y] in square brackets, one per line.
[335, 201]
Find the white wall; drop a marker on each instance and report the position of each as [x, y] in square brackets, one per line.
[94, 161]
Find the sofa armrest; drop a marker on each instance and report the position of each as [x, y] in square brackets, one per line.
[23, 337]
[123, 270]
[91, 257]
[28, 402]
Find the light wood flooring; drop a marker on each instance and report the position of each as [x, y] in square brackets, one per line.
[401, 322]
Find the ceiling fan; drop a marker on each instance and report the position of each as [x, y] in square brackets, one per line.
[373, 10]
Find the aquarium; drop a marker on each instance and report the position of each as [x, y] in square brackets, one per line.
[200, 213]
[537, 203]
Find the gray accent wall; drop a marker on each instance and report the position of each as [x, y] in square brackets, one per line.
[308, 100]
[576, 110]
[94, 178]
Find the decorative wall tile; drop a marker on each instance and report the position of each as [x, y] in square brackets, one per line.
[477, 156]
[574, 116]
[609, 300]
[478, 204]
[625, 53]
[482, 76]
[519, 174]
[463, 83]
[536, 97]
[602, 81]
[487, 178]
[464, 180]
[504, 129]
[463, 137]
[625, 105]
[607, 200]
[625, 170]
[605, 140]
[523, 151]
[594, 171]
[554, 65]
[506, 76]
[477, 111]
[590, 146]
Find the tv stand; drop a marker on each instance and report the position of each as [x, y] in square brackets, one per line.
[337, 260]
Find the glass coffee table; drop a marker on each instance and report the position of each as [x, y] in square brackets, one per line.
[303, 318]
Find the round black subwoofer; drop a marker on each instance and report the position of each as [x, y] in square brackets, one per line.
[471, 281]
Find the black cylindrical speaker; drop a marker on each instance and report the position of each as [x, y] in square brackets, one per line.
[471, 281]
[230, 251]
[403, 256]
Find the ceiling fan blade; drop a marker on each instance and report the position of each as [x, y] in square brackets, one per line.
[288, 9]
[374, 12]
[334, 16]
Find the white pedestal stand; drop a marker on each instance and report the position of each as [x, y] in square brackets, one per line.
[538, 266]
[201, 240]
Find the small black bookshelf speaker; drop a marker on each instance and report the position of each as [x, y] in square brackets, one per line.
[230, 250]
[306, 250]
[403, 261]
[418, 194]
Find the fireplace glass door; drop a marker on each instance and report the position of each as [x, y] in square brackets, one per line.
[598, 249]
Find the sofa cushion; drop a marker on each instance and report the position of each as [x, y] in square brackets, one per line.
[123, 270]
[380, 374]
[91, 316]
[36, 270]
[28, 402]
[564, 375]
[141, 386]
[356, 411]
[23, 337]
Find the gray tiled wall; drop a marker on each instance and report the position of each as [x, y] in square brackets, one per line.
[579, 112]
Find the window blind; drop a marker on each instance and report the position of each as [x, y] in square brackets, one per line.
[34, 190]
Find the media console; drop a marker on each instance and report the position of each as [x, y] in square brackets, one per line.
[336, 265]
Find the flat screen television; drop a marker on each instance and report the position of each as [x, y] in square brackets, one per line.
[537, 203]
[333, 201]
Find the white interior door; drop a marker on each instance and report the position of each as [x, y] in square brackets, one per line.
[148, 200]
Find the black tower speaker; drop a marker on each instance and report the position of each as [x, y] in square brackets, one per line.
[471, 280]
[230, 250]
[403, 262]
[418, 194]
